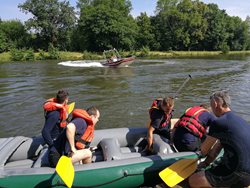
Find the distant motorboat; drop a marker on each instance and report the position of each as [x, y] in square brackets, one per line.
[116, 59]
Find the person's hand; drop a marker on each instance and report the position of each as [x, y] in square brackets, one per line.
[73, 150]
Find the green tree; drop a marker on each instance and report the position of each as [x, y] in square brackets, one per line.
[106, 23]
[52, 21]
[145, 37]
[165, 23]
[180, 25]
[247, 21]
[13, 35]
[216, 34]
[238, 33]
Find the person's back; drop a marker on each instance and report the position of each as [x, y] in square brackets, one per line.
[55, 121]
[190, 130]
[233, 133]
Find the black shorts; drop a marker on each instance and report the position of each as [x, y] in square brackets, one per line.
[219, 176]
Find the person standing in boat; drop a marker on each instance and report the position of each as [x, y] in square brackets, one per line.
[233, 134]
[80, 132]
[55, 110]
[160, 113]
[191, 129]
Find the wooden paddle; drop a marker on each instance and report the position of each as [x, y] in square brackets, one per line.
[183, 168]
[70, 107]
[65, 170]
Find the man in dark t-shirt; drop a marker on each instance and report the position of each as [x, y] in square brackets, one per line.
[80, 132]
[233, 134]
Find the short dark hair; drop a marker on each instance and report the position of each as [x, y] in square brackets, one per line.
[61, 96]
[92, 110]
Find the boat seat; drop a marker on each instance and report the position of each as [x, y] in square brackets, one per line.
[26, 163]
[160, 146]
[112, 150]
[30, 149]
[8, 147]
[43, 159]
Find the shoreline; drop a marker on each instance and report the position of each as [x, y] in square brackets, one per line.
[64, 56]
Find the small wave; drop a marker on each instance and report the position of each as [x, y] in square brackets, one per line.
[81, 64]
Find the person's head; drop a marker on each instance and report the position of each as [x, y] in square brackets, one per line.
[94, 114]
[62, 96]
[206, 106]
[220, 102]
[167, 104]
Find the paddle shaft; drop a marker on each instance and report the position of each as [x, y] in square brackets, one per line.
[180, 88]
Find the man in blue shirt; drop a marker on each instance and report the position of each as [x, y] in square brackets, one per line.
[55, 120]
[233, 134]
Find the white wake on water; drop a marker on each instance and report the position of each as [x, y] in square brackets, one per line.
[81, 64]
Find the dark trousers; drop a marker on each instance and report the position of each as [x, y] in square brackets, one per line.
[54, 157]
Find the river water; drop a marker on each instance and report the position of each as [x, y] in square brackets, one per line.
[123, 94]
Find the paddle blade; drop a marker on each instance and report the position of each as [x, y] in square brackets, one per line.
[65, 170]
[178, 171]
[71, 107]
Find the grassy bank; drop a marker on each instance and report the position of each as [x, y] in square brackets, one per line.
[176, 54]
[6, 57]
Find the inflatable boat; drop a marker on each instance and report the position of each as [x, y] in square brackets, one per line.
[118, 161]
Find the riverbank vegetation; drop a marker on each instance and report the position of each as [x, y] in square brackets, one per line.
[178, 28]
[25, 55]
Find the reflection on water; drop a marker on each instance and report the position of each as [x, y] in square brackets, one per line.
[123, 95]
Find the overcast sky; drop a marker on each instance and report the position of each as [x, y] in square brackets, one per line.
[241, 8]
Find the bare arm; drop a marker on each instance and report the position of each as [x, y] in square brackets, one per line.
[150, 137]
[70, 133]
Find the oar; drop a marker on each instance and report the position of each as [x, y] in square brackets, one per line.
[180, 88]
[71, 107]
[178, 171]
[183, 168]
[65, 170]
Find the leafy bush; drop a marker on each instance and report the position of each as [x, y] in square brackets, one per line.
[144, 51]
[29, 55]
[16, 55]
[225, 48]
[53, 52]
[41, 55]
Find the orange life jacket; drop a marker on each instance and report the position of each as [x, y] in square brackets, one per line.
[190, 120]
[51, 105]
[88, 135]
[167, 118]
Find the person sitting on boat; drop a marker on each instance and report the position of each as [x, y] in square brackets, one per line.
[114, 58]
[191, 129]
[79, 133]
[233, 134]
[160, 113]
[55, 110]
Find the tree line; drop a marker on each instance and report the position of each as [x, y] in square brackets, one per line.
[97, 25]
